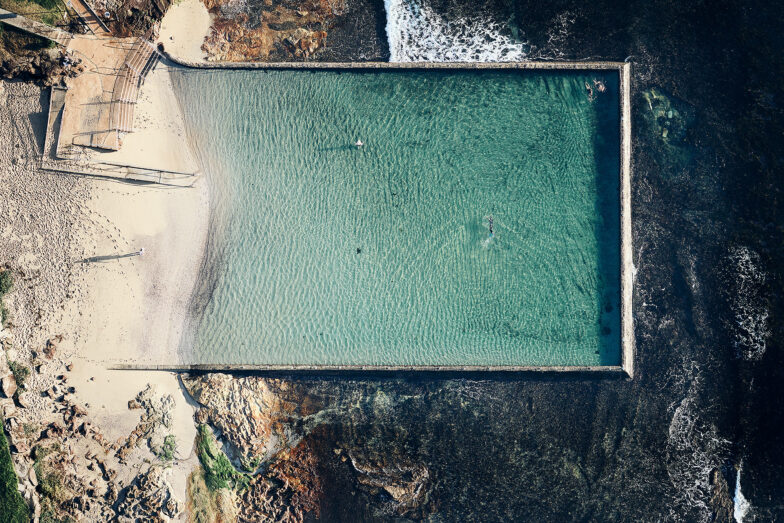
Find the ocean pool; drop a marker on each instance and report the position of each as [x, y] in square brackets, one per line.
[323, 253]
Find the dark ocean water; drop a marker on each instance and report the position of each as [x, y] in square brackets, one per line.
[708, 251]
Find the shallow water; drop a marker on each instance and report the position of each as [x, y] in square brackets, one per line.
[324, 253]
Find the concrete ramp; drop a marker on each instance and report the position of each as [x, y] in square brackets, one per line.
[57, 36]
[94, 22]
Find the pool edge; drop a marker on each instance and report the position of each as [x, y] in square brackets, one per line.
[627, 265]
[627, 270]
[555, 64]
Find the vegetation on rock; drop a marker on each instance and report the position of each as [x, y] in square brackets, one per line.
[201, 505]
[169, 447]
[12, 507]
[219, 473]
[50, 484]
[6, 280]
[20, 372]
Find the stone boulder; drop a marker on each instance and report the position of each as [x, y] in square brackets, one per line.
[258, 417]
[8, 384]
[406, 483]
[149, 498]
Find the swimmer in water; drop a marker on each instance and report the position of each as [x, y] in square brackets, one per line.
[490, 223]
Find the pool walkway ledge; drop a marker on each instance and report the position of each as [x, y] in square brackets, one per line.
[381, 371]
[623, 69]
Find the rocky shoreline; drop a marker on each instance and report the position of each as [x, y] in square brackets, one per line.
[279, 430]
[282, 30]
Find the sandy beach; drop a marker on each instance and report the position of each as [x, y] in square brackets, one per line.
[79, 287]
[136, 306]
[184, 28]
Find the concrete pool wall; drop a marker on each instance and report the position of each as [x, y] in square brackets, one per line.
[626, 265]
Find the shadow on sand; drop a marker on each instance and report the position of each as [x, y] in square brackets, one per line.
[96, 259]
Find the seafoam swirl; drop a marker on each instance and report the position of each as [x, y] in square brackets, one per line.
[416, 33]
[694, 451]
[750, 328]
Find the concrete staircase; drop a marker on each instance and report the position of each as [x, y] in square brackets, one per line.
[140, 60]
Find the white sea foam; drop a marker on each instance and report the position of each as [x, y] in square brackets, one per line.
[741, 504]
[694, 450]
[750, 328]
[234, 8]
[416, 33]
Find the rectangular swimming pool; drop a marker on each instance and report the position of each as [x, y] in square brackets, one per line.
[325, 254]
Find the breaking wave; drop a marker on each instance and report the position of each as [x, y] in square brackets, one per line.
[694, 450]
[750, 313]
[416, 33]
[741, 504]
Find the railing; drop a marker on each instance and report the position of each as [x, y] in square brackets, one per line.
[90, 17]
[117, 171]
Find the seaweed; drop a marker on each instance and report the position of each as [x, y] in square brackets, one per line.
[218, 471]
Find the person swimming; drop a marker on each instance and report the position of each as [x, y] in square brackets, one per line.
[490, 223]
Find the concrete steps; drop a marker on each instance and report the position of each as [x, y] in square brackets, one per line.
[138, 63]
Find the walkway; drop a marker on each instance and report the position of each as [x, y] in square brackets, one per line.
[101, 101]
[90, 17]
[57, 36]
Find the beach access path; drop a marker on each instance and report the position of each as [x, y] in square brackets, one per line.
[57, 36]
[97, 111]
[90, 17]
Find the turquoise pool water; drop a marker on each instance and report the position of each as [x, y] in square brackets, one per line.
[322, 253]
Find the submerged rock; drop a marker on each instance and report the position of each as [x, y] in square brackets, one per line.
[669, 121]
[406, 483]
[670, 118]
